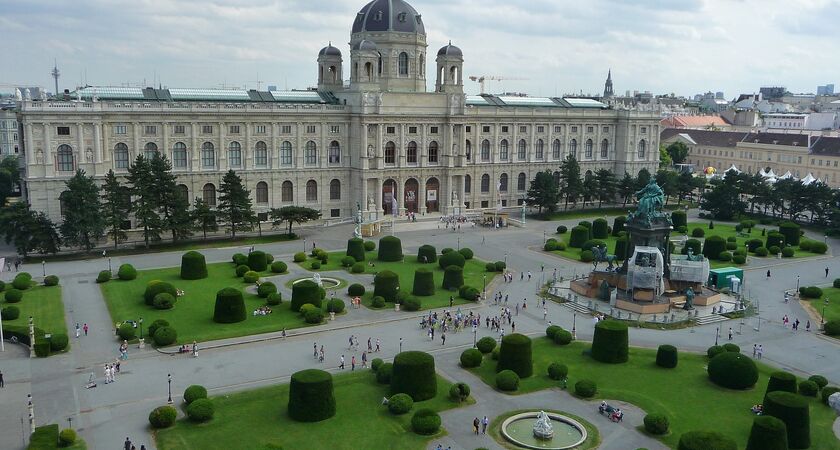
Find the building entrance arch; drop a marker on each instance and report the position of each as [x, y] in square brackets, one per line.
[389, 190]
[432, 195]
[410, 200]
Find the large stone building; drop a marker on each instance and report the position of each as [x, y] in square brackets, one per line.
[380, 141]
[9, 133]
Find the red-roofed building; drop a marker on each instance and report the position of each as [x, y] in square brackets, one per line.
[696, 122]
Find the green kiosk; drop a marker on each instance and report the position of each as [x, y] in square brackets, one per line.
[725, 278]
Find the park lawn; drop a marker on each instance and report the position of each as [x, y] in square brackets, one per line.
[192, 316]
[44, 305]
[361, 422]
[725, 231]
[830, 301]
[684, 393]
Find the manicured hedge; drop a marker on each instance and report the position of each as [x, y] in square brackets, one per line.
[599, 228]
[725, 256]
[470, 358]
[666, 356]
[788, 252]
[67, 437]
[251, 276]
[274, 299]
[390, 249]
[400, 404]
[507, 380]
[266, 288]
[562, 229]
[713, 247]
[13, 295]
[552, 330]
[104, 276]
[762, 251]
[230, 306]
[356, 290]
[820, 380]
[239, 259]
[242, 270]
[775, 239]
[386, 284]
[819, 248]
[426, 254]
[618, 225]
[768, 433]
[733, 371]
[610, 342]
[159, 323]
[377, 302]
[58, 342]
[44, 438]
[453, 277]
[705, 440]
[42, 347]
[621, 246]
[126, 331]
[790, 231]
[163, 417]
[808, 388]
[557, 371]
[698, 232]
[311, 396]
[279, 267]
[305, 292]
[194, 392]
[656, 424]
[781, 381]
[563, 337]
[51, 280]
[468, 293]
[826, 392]
[356, 249]
[730, 347]
[383, 373]
[347, 261]
[579, 235]
[739, 259]
[126, 272]
[678, 219]
[299, 257]
[692, 244]
[451, 259]
[414, 374]
[155, 287]
[425, 422]
[411, 304]
[793, 411]
[466, 253]
[359, 267]
[370, 246]
[810, 292]
[201, 410]
[164, 301]
[165, 336]
[312, 314]
[10, 313]
[586, 388]
[257, 261]
[459, 392]
[486, 344]
[335, 305]
[424, 282]
[193, 266]
[515, 355]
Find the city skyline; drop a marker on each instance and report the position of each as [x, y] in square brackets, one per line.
[561, 47]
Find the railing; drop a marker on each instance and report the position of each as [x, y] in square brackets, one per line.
[183, 106]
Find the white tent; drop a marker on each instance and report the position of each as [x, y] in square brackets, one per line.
[770, 174]
[762, 173]
[808, 179]
[786, 175]
[732, 167]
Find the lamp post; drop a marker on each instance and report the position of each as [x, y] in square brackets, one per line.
[505, 260]
[304, 245]
[717, 334]
[574, 325]
[822, 319]
[484, 289]
[459, 243]
[141, 327]
[797, 286]
[543, 237]
[31, 409]
[31, 337]
[109, 265]
[400, 345]
[475, 331]
[169, 383]
[44, 267]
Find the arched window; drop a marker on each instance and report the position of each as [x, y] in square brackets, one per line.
[369, 72]
[521, 182]
[556, 149]
[403, 64]
[467, 184]
[150, 150]
[468, 149]
[179, 155]
[485, 150]
[184, 192]
[504, 150]
[433, 152]
[235, 154]
[261, 154]
[64, 158]
[390, 153]
[208, 155]
[642, 148]
[335, 189]
[262, 192]
[310, 154]
[605, 148]
[412, 153]
[311, 191]
[209, 194]
[503, 182]
[121, 156]
[485, 183]
[522, 150]
[587, 148]
[573, 147]
[286, 153]
[286, 192]
[379, 71]
[335, 152]
[540, 149]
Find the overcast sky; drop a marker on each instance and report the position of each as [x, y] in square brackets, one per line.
[561, 46]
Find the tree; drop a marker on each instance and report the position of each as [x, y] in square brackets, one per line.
[543, 192]
[724, 199]
[28, 230]
[589, 188]
[45, 237]
[642, 179]
[678, 151]
[293, 214]
[571, 186]
[145, 205]
[116, 206]
[203, 217]
[9, 178]
[685, 186]
[172, 204]
[626, 188]
[667, 180]
[235, 203]
[665, 160]
[606, 185]
[83, 223]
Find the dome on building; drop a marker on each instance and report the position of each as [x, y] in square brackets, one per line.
[365, 44]
[450, 50]
[388, 15]
[329, 50]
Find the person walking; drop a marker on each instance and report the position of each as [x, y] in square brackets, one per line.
[545, 312]
[826, 272]
[730, 333]
[451, 300]
[768, 273]
[314, 350]
[476, 424]
[78, 331]
[2, 383]
[195, 350]
[443, 338]
[377, 344]
[353, 363]
[513, 327]
[808, 325]
[127, 443]
[364, 360]
[85, 327]
[484, 422]
[370, 349]
[755, 350]
[341, 365]
[529, 275]
[760, 351]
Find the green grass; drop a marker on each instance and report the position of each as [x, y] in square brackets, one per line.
[474, 272]
[192, 316]
[361, 422]
[684, 394]
[830, 301]
[44, 305]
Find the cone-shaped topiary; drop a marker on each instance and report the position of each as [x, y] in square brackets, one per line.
[230, 307]
[666, 356]
[414, 374]
[356, 249]
[424, 282]
[791, 232]
[610, 343]
[599, 229]
[579, 235]
[451, 259]
[793, 411]
[781, 381]
[713, 247]
[193, 266]
[515, 355]
[621, 245]
[678, 219]
[453, 278]
[733, 370]
[618, 225]
[390, 249]
[426, 254]
[257, 261]
[311, 396]
[705, 440]
[304, 292]
[768, 433]
[386, 284]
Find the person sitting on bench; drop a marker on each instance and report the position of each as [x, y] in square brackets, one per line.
[617, 415]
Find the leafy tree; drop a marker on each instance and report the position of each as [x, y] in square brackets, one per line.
[292, 214]
[642, 179]
[9, 178]
[665, 160]
[83, 223]
[116, 206]
[543, 192]
[606, 185]
[571, 186]
[590, 187]
[667, 180]
[27, 230]
[203, 217]
[172, 204]
[626, 188]
[724, 199]
[678, 151]
[141, 182]
[45, 237]
[235, 203]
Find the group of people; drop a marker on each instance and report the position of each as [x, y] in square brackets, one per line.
[758, 351]
[262, 311]
[124, 350]
[17, 263]
[186, 349]
[111, 371]
[480, 425]
[79, 330]
[614, 414]
[127, 445]
[794, 325]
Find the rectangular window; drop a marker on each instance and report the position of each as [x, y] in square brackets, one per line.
[523, 129]
[390, 130]
[433, 130]
[504, 202]
[233, 129]
[413, 130]
[558, 129]
[179, 158]
[590, 129]
[64, 131]
[644, 130]
[259, 129]
[119, 129]
[335, 129]
[574, 129]
[505, 129]
[469, 128]
[207, 129]
[179, 129]
[151, 130]
[286, 129]
[335, 212]
[605, 129]
[485, 203]
[540, 129]
[262, 217]
[485, 129]
[310, 129]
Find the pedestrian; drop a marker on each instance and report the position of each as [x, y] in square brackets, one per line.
[321, 355]
[78, 331]
[2, 383]
[513, 327]
[108, 376]
[142, 447]
[364, 360]
[808, 325]
[517, 309]
[482, 243]
[524, 303]
[529, 275]
[370, 349]
[85, 327]
[755, 350]
[484, 422]
[195, 350]
[127, 444]
[760, 351]
[545, 313]
[768, 273]
[521, 276]
[826, 272]
[341, 365]
[353, 363]
[377, 344]
[443, 338]
[350, 347]
[476, 423]
[314, 350]
[451, 300]
[542, 267]
[283, 333]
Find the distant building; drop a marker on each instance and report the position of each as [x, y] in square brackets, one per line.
[719, 95]
[713, 105]
[772, 92]
[608, 86]
[9, 134]
[828, 89]
[785, 121]
[696, 122]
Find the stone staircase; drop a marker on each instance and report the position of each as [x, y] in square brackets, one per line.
[711, 318]
[577, 307]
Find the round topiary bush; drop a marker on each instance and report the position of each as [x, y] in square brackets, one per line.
[159, 323]
[239, 259]
[386, 284]
[620, 249]
[550, 245]
[424, 282]
[163, 417]
[375, 364]
[411, 304]
[279, 267]
[266, 288]
[610, 342]
[793, 411]
[230, 306]
[739, 259]
[201, 410]
[165, 336]
[468, 293]
[193, 266]
[775, 239]
[51, 280]
[714, 350]
[67, 437]
[578, 237]
[768, 433]
[810, 292]
[733, 371]
[426, 254]
[274, 299]
[725, 256]
[356, 290]
[788, 252]
[486, 344]
[586, 388]
[155, 287]
[470, 358]
[666, 356]
[383, 373]
[104, 276]
[370, 246]
[377, 302]
[832, 328]
[808, 388]
[164, 300]
[692, 244]
[730, 347]
[414, 374]
[13, 295]
[587, 256]
[269, 258]
[359, 267]
[762, 251]
[656, 424]
[500, 266]
[562, 229]
[305, 292]
[453, 278]
[732, 246]
[507, 380]
[312, 314]
[242, 270]
[258, 261]
[820, 380]
[599, 228]
[781, 381]
[515, 355]
[826, 392]
[194, 392]
[713, 247]
[705, 440]
[356, 249]
[557, 371]
[451, 259]
[251, 277]
[459, 392]
[467, 253]
[347, 261]
[679, 219]
[563, 337]
[552, 330]
[390, 249]
[299, 257]
[10, 313]
[790, 231]
[446, 250]
[126, 272]
[425, 422]
[698, 232]
[400, 404]
[58, 342]
[126, 331]
[311, 396]
[593, 243]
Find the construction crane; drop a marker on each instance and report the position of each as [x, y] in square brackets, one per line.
[482, 78]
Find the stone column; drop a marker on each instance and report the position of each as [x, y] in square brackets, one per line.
[378, 199]
[221, 156]
[97, 141]
[195, 147]
[137, 149]
[165, 151]
[421, 194]
[29, 147]
[450, 208]
[80, 156]
[49, 164]
[246, 147]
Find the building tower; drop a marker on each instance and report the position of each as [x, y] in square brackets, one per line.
[55, 74]
[329, 69]
[450, 66]
[608, 87]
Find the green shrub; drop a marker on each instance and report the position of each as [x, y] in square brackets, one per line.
[808, 388]
[152, 329]
[390, 249]
[312, 314]
[58, 342]
[242, 270]
[610, 342]
[788, 252]
[557, 371]
[550, 246]
[713, 247]
[347, 261]
[500, 266]
[194, 392]
[356, 249]
[618, 225]
[468, 293]
[258, 261]
[446, 250]
[826, 392]
[753, 244]
[775, 239]
[315, 265]
[164, 301]
[592, 243]
[515, 355]
[453, 278]
[656, 424]
[562, 229]
[552, 330]
[10, 313]
[705, 440]
[411, 304]
[386, 284]
[767, 433]
[377, 302]
[733, 371]
[790, 231]
[163, 417]
[424, 282]
[299, 257]
[559, 245]
[383, 373]
[239, 259]
[692, 244]
[586, 388]
[579, 235]
[311, 396]
[730, 347]
[587, 256]
[739, 259]
[793, 411]
[375, 364]
[13, 295]
[193, 266]
[201, 410]
[266, 288]
[400, 404]
[451, 259]
[51, 280]
[819, 380]
[126, 272]
[370, 246]
[470, 358]
[274, 299]
[44, 437]
[725, 256]
[507, 380]
[279, 267]
[486, 344]
[359, 267]
[494, 355]
[414, 374]
[269, 259]
[599, 229]
[305, 292]
[467, 253]
[230, 306]
[679, 219]
[698, 232]
[356, 290]
[42, 347]
[761, 251]
[426, 254]
[425, 422]
[781, 381]
[620, 250]
[155, 287]
[459, 392]
[563, 337]
[165, 336]
[666, 356]
[819, 248]
[104, 276]
[126, 331]
[67, 437]
[810, 292]
[714, 350]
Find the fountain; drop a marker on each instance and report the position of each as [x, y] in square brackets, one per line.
[550, 431]
[324, 282]
[542, 427]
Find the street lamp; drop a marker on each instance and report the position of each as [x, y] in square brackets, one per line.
[797, 285]
[822, 318]
[304, 245]
[109, 264]
[484, 289]
[574, 325]
[475, 331]
[141, 327]
[31, 409]
[543, 237]
[44, 267]
[169, 381]
[717, 334]
[505, 259]
[400, 345]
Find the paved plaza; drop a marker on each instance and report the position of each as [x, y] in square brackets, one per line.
[107, 414]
